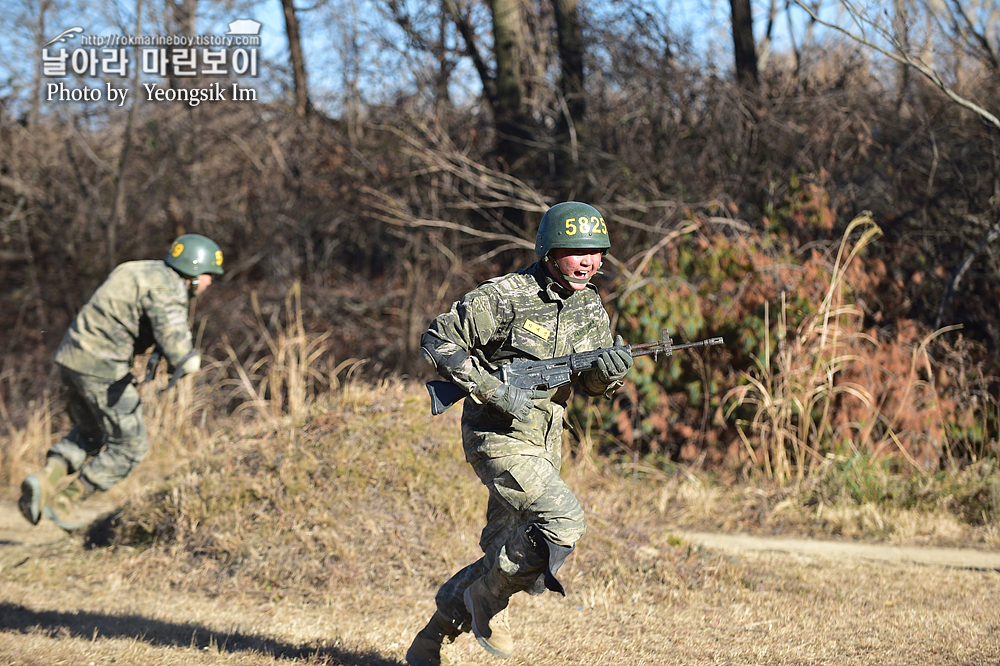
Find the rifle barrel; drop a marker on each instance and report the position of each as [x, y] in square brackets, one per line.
[666, 345]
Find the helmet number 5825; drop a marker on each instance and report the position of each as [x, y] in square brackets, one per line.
[586, 225]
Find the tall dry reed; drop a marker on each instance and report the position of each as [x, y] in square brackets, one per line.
[796, 384]
[284, 381]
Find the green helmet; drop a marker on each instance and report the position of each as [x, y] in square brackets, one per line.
[572, 224]
[193, 255]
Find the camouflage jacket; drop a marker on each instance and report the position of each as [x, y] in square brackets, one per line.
[526, 314]
[140, 303]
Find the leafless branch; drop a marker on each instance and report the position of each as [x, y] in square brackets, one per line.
[901, 56]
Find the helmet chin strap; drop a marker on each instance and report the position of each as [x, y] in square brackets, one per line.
[570, 278]
[193, 288]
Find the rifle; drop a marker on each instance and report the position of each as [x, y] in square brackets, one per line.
[154, 361]
[554, 372]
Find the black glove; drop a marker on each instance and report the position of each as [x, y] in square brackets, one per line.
[614, 363]
[516, 402]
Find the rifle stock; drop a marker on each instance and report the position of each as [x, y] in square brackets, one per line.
[443, 394]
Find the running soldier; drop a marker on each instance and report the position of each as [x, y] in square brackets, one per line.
[512, 436]
[141, 303]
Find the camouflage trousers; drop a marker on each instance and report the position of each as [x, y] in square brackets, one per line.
[108, 439]
[533, 521]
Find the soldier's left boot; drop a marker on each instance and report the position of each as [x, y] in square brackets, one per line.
[38, 488]
[62, 509]
[425, 650]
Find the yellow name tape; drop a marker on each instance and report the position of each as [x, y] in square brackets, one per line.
[537, 329]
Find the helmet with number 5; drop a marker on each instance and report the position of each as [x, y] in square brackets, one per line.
[572, 224]
[192, 255]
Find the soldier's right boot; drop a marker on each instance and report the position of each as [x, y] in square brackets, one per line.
[425, 650]
[486, 600]
[62, 509]
[38, 488]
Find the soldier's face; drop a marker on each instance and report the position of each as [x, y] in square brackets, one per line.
[579, 264]
[204, 282]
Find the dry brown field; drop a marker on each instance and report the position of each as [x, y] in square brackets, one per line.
[62, 604]
[643, 587]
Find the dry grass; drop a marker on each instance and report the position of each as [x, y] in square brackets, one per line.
[321, 538]
[284, 380]
[702, 607]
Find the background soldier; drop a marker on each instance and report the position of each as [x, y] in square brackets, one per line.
[141, 303]
[513, 437]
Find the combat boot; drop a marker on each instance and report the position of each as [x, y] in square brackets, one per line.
[425, 650]
[37, 489]
[62, 509]
[486, 600]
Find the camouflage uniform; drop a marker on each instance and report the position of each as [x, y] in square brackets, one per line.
[532, 518]
[141, 303]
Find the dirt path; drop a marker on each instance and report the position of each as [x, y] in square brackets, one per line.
[965, 558]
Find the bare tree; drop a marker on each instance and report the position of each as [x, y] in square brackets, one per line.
[182, 17]
[765, 46]
[572, 99]
[525, 76]
[743, 44]
[902, 29]
[302, 104]
[185, 15]
[505, 86]
[36, 97]
[512, 123]
[117, 216]
[502, 73]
